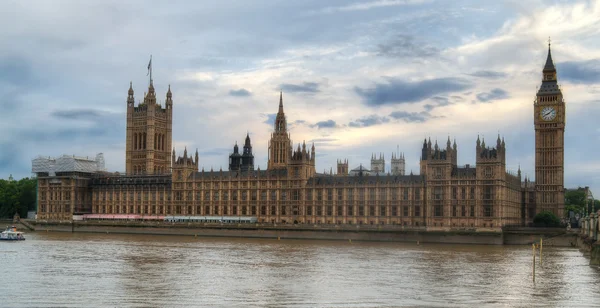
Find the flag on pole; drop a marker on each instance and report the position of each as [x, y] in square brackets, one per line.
[149, 65]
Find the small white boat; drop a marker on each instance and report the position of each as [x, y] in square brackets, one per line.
[11, 234]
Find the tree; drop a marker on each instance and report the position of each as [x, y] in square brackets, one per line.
[546, 219]
[575, 200]
[17, 197]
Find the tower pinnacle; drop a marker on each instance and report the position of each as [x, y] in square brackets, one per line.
[549, 63]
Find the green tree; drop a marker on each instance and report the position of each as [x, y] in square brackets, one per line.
[575, 200]
[546, 219]
[17, 197]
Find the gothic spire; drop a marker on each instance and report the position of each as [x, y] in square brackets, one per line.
[280, 102]
[247, 141]
[549, 63]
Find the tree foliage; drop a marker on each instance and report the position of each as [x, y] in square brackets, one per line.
[546, 219]
[575, 200]
[17, 197]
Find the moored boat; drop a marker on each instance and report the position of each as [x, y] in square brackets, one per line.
[11, 234]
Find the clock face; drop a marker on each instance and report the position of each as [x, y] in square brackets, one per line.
[548, 113]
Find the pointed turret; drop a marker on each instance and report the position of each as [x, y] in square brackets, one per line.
[196, 157]
[549, 66]
[247, 141]
[169, 101]
[549, 80]
[130, 98]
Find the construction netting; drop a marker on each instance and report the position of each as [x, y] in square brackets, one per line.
[67, 163]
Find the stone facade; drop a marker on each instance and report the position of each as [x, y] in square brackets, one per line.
[149, 132]
[378, 164]
[443, 195]
[398, 164]
[549, 121]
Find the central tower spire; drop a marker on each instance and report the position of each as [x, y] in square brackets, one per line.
[280, 146]
[280, 121]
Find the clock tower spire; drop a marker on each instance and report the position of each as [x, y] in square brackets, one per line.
[549, 123]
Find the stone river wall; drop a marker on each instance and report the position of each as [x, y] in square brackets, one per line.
[552, 237]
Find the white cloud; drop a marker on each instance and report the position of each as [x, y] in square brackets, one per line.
[205, 50]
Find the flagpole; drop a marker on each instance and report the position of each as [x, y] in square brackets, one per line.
[150, 69]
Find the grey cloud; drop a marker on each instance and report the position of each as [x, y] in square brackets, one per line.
[493, 95]
[488, 74]
[16, 71]
[76, 114]
[270, 118]
[325, 124]
[323, 140]
[306, 87]
[240, 93]
[404, 46]
[368, 121]
[582, 72]
[397, 91]
[292, 125]
[330, 142]
[439, 101]
[215, 152]
[411, 117]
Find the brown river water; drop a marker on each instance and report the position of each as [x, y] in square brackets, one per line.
[112, 270]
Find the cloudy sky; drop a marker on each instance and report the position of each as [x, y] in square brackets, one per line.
[357, 76]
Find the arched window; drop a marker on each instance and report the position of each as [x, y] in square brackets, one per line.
[134, 141]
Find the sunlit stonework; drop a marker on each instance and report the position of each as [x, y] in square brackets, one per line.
[158, 182]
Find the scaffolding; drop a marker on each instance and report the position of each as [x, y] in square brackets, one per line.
[66, 163]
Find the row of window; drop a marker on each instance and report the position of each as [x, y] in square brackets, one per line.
[296, 195]
[381, 211]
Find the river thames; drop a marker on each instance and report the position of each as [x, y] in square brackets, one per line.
[110, 270]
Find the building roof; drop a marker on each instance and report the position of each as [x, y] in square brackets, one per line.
[67, 163]
[327, 180]
[117, 179]
[239, 174]
[361, 168]
[466, 171]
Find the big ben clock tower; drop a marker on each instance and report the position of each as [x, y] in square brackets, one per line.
[549, 121]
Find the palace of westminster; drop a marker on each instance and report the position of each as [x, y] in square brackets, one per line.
[157, 182]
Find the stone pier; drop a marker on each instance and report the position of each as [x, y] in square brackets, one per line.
[590, 227]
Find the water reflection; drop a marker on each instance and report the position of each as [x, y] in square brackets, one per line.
[63, 269]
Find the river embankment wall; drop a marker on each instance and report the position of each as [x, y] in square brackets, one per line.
[552, 237]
